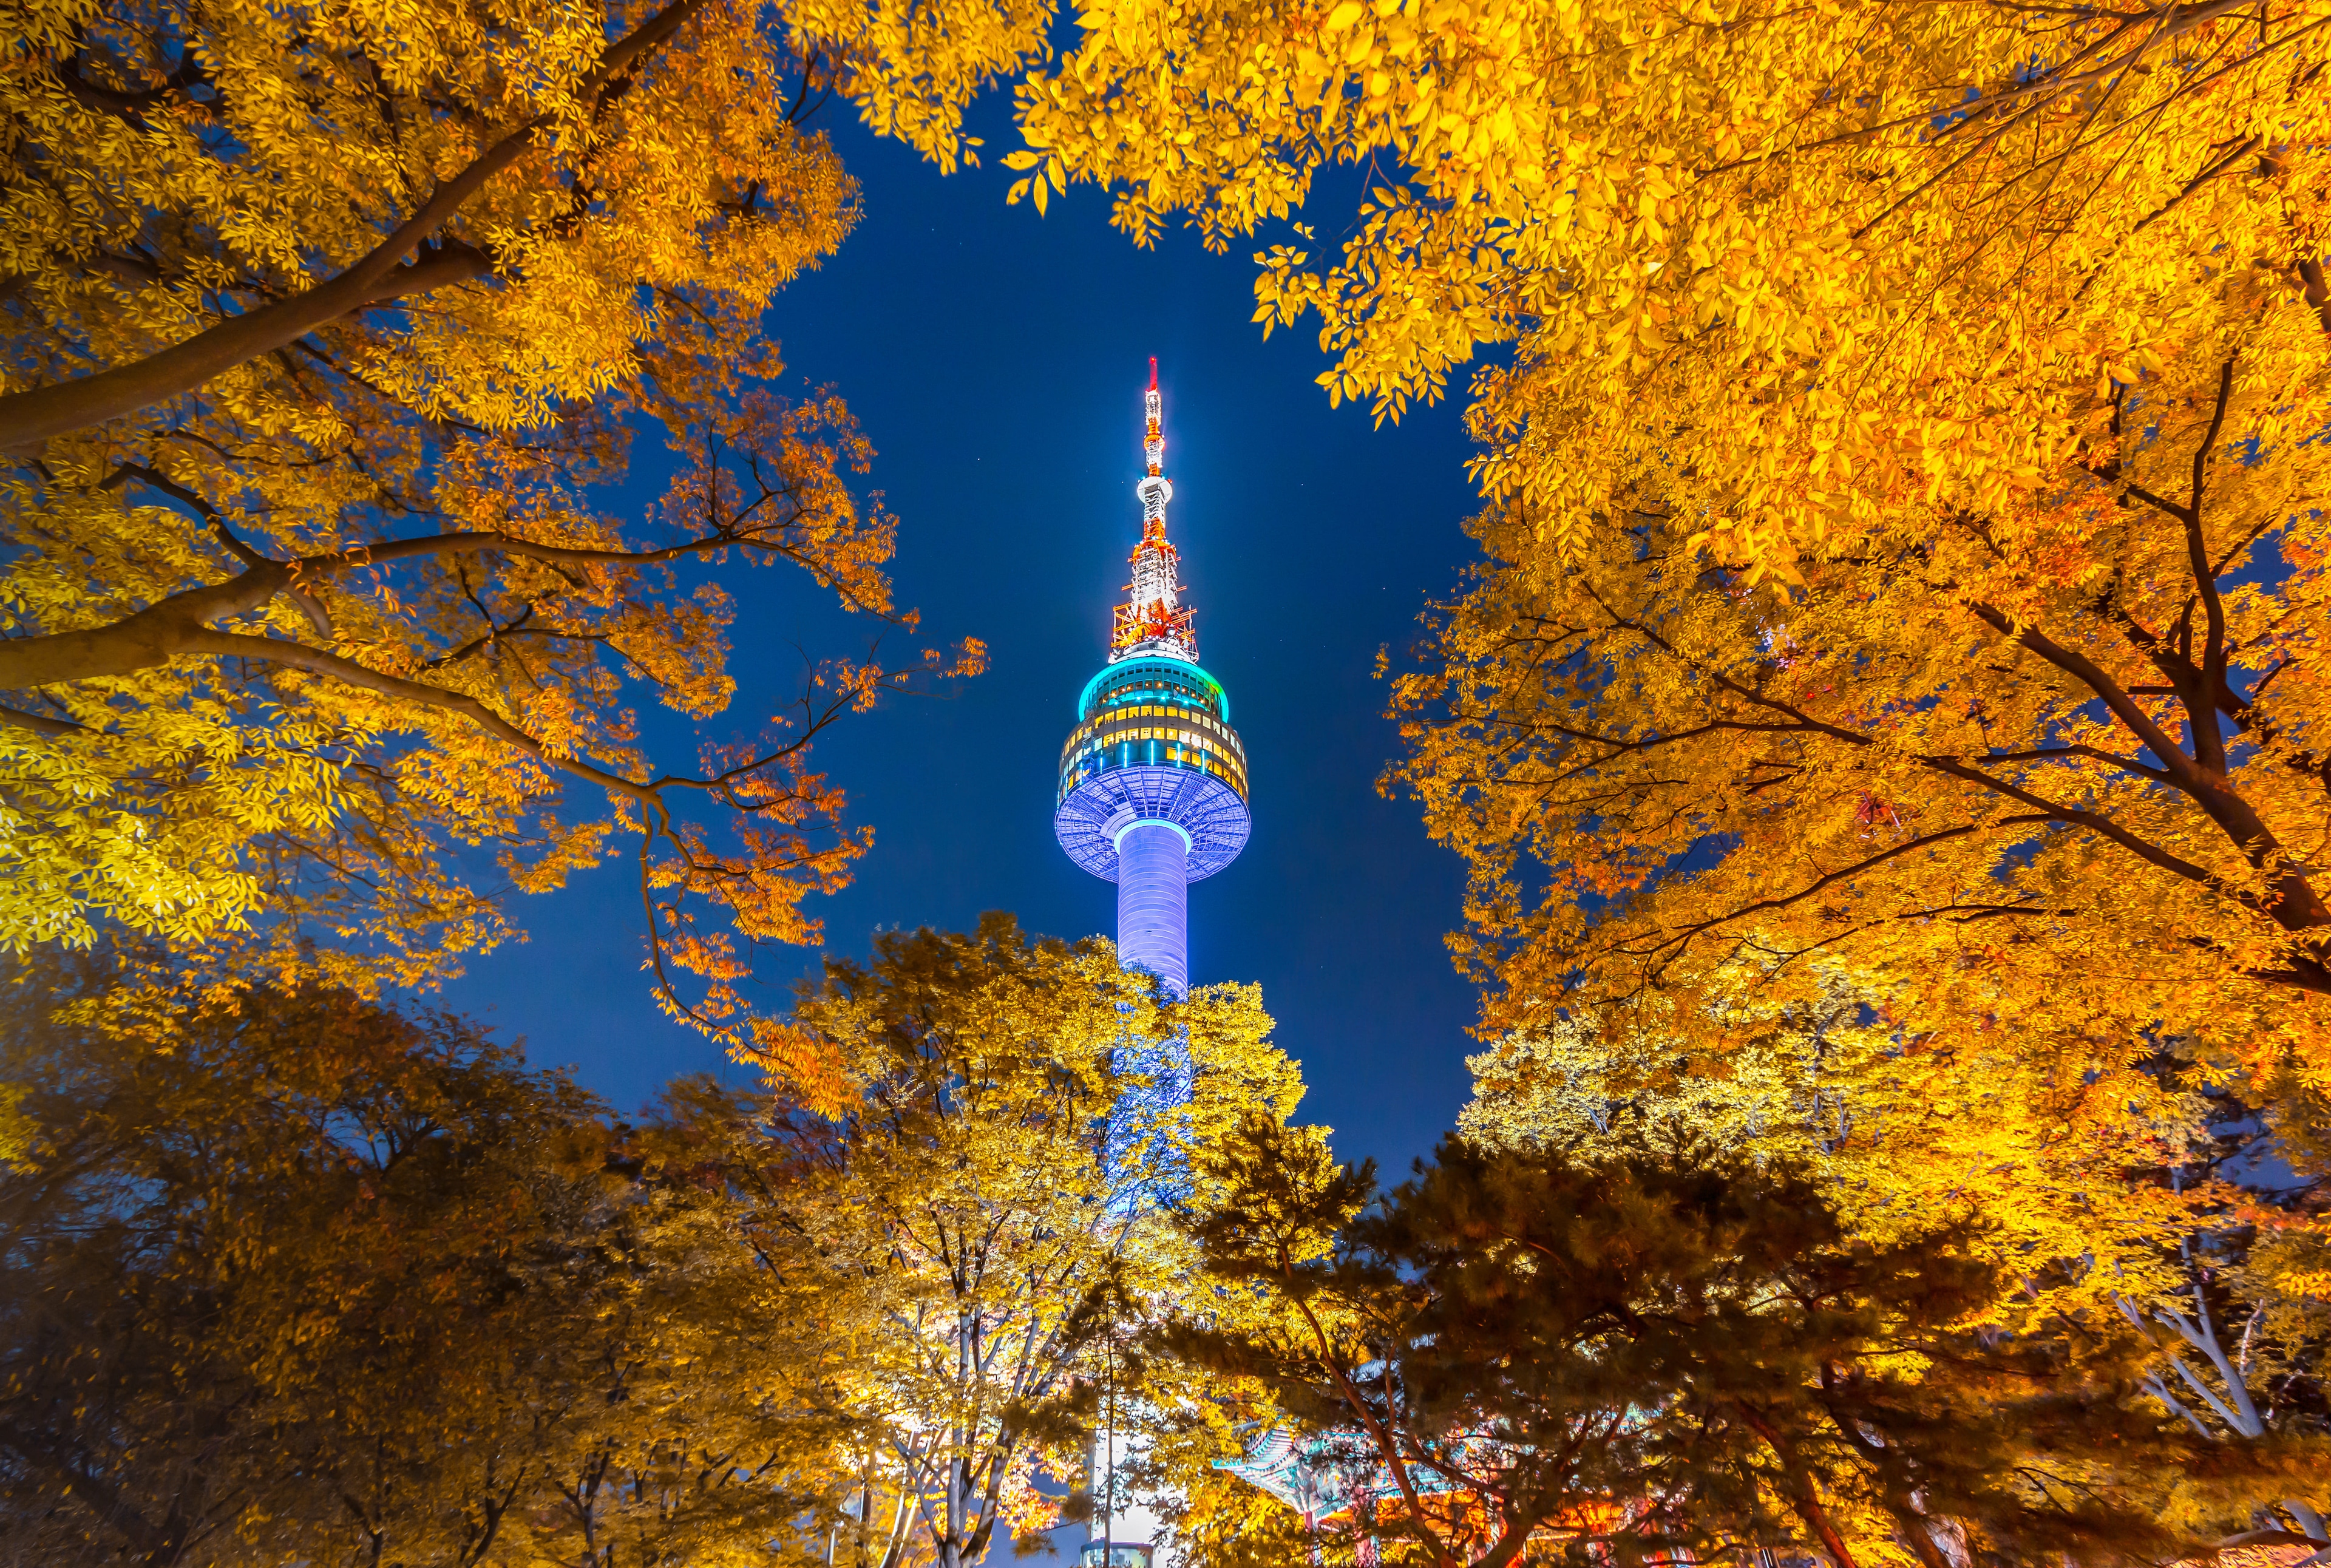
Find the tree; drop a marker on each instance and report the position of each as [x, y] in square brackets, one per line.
[202, 191]
[321, 1281]
[1806, 265]
[1923, 309]
[1662, 1353]
[2088, 1180]
[2155, 1194]
[1873, 768]
[1900, 562]
[261, 790]
[332, 329]
[1222, 1522]
[2026, 841]
[987, 1197]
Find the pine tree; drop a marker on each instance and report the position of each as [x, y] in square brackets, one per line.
[1668, 1351]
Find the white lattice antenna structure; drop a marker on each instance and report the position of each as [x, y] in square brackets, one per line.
[1153, 622]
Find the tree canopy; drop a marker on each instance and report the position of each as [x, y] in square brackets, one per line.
[1895, 634]
[317, 1280]
[1900, 473]
[1662, 1348]
[1885, 730]
[331, 327]
[313, 1278]
[987, 1192]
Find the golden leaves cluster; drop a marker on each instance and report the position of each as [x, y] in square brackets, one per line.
[320, 612]
[1903, 565]
[1803, 263]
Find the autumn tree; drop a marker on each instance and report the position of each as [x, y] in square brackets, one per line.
[2088, 1180]
[1901, 560]
[1660, 1352]
[1220, 1520]
[983, 1204]
[2155, 1194]
[1920, 310]
[1824, 273]
[321, 1281]
[331, 329]
[482, 214]
[2051, 944]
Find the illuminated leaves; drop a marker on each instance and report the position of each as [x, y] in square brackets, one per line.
[1754, 257]
[979, 1190]
[317, 648]
[306, 1280]
[1902, 555]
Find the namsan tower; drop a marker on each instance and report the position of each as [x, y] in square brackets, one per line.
[1153, 791]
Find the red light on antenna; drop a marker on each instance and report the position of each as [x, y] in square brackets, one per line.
[1153, 373]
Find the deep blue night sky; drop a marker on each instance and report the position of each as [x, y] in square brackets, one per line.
[996, 361]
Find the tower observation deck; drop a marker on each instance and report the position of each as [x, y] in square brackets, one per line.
[1153, 793]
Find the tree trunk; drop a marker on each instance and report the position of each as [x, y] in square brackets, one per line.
[1805, 1498]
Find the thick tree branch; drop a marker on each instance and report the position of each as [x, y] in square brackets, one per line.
[40, 725]
[2123, 707]
[32, 417]
[2294, 903]
[2201, 706]
[2095, 822]
[160, 632]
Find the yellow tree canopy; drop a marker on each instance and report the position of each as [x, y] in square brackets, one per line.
[2000, 336]
[2001, 333]
[329, 326]
[1904, 562]
[486, 212]
[317, 1281]
[983, 1195]
[1805, 260]
[2058, 1152]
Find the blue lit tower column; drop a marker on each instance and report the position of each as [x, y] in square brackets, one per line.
[1153, 796]
[1153, 791]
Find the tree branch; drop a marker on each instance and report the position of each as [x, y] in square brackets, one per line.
[161, 630]
[33, 416]
[2202, 707]
[39, 724]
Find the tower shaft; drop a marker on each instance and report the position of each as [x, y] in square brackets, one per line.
[1153, 903]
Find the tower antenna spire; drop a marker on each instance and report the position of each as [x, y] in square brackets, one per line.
[1153, 620]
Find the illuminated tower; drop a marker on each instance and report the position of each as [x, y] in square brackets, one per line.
[1153, 780]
